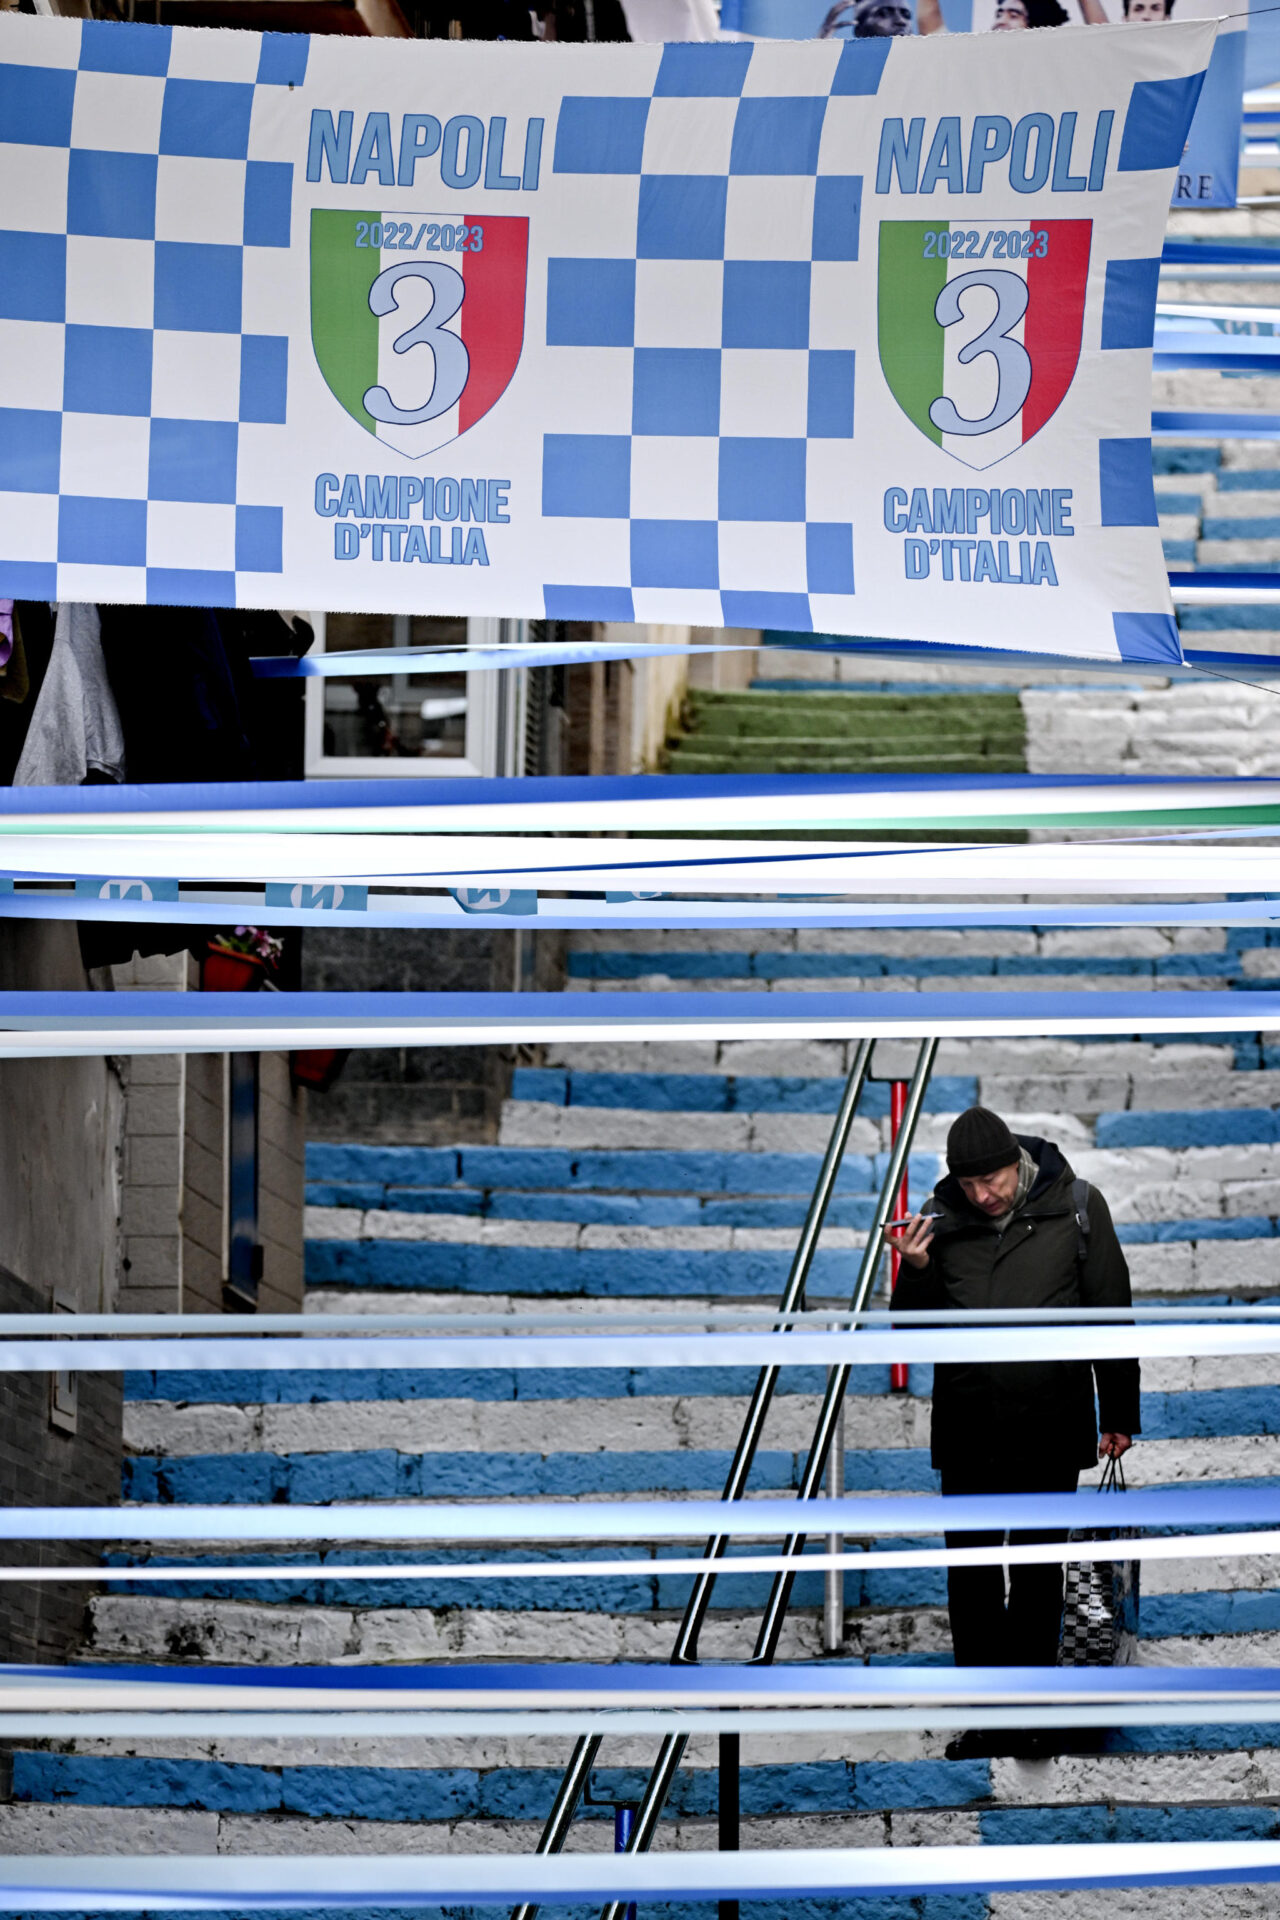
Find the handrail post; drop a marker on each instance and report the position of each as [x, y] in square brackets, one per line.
[833, 1584]
[673, 1745]
[729, 1807]
[838, 1379]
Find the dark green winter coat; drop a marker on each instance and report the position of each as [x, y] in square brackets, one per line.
[1041, 1406]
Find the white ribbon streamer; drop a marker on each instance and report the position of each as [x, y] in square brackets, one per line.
[519, 1722]
[1192, 1546]
[108, 1883]
[613, 1316]
[1130, 867]
[273, 1025]
[652, 804]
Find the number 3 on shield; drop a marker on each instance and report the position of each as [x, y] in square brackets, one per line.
[1013, 362]
[452, 361]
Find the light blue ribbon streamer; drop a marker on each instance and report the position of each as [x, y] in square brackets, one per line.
[41, 1024]
[423, 660]
[426, 911]
[902, 1344]
[472, 1521]
[564, 1684]
[280, 796]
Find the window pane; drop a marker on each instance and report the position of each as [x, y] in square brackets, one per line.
[406, 716]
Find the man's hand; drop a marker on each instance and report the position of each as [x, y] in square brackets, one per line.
[1112, 1445]
[913, 1240]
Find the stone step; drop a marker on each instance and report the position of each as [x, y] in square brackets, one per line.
[1219, 1056]
[689, 759]
[1207, 1628]
[774, 967]
[600, 1470]
[887, 944]
[825, 1802]
[1243, 1108]
[706, 1414]
[841, 980]
[1160, 1268]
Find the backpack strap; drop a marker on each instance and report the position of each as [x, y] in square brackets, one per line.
[1080, 1207]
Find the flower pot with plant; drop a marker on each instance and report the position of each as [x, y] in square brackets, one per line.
[240, 961]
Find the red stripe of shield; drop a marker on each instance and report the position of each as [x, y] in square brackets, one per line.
[493, 315]
[1055, 317]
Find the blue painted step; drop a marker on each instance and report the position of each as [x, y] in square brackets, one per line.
[570, 1273]
[424, 1266]
[506, 1793]
[221, 1479]
[618, 964]
[725, 1093]
[1169, 457]
[1235, 1126]
[626, 1169]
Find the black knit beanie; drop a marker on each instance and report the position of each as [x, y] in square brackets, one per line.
[978, 1143]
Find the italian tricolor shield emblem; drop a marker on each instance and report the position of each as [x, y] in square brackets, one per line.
[417, 320]
[980, 326]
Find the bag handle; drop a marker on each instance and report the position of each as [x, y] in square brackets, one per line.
[1112, 1480]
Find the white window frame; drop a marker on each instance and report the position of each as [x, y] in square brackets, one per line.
[495, 719]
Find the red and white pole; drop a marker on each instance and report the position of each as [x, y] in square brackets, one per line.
[901, 1207]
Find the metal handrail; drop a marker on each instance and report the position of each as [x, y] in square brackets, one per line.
[583, 1758]
[673, 1746]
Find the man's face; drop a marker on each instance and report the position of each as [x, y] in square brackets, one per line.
[1146, 10]
[992, 1192]
[885, 21]
[1010, 15]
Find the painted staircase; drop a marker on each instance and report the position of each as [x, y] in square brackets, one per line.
[660, 1173]
[681, 1172]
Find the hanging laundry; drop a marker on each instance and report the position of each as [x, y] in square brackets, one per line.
[274, 710]
[15, 674]
[75, 733]
[180, 697]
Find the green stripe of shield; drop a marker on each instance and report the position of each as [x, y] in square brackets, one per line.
[912, 351]
[344, 332]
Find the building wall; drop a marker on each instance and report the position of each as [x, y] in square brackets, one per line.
[282, 1142]
[61, 1136]
[59, 1141]
[422, 1096]
[174, 1170]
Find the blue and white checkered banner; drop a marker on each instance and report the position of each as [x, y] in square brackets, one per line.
[834, 336]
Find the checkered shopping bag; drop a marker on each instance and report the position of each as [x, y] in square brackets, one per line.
[1100, 1598]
